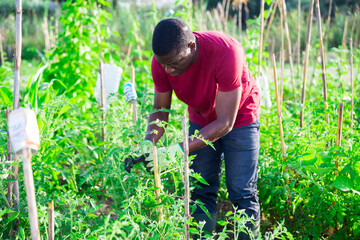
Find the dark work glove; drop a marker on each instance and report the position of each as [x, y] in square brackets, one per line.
[130, 161]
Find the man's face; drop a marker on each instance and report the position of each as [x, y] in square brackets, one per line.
[176, 62]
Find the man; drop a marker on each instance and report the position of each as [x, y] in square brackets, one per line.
[208, 72]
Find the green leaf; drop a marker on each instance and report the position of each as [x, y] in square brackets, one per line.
[13, 216]
[342, 183]
[5, 96]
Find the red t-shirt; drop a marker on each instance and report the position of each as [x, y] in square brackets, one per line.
[220, 66]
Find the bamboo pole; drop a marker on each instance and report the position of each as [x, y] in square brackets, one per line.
[134, 103]
[157, 183]
[345, 32]
[328, 25]
[353, 26]
[210, 17]
[306, 62]
[351, 84]
[2, 60]
[289, 46]
[186, 176]
[16, 103]
[101, 71]
[51, 221]
[282, 52]
[261, 35]
[270, 21]
[278, 107]
[299, 38]
[357, 30]
[103, 100]
[30, 194]
[323, 68]
[240, 19]
[339, 133]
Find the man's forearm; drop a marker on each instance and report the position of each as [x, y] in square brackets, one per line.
[211, 132]
[157, 129]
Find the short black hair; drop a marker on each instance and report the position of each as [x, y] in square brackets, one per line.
[171, 34]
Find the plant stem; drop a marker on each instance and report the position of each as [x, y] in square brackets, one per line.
[306, 62]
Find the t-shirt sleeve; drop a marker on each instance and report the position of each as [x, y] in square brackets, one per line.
[229, 71]
[160, 79]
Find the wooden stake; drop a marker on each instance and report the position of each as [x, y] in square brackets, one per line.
[306, 62]
[323, 69]
[289, 46]
[339, 132]
[45, 28]
[353, 26]
[103, 99]
[351, 84]
[282, 52]
[51, 221]
[278, 106]
[186, 175]
[134, 103]
[261, 35]
[270, 21]
[30, 194]
[240, 19]
[328, 25]
[345, 32]
[157, 183]
[299, 37]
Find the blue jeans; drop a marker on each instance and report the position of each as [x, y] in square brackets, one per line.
[241, 152]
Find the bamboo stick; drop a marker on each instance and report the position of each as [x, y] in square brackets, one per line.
[278, 107]
[134, 103]
[157, 183]
[103, 99]
[282, 51]
[357, 31]
[270, 21]
[306, 62]
[353, 26]
[51, 221]
[261, 35]
[240, 19]
[351, 84]
[186, 175]
[323, 64]
[45, 28]
[210, 17]
[289, 46]
[339, 132]
[345, 32]
[299, 38]
[30, 194]
[16, 103]
[328, 25]
[2, 60]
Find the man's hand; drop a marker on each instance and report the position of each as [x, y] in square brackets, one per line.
[139, 154]
[166, 157]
